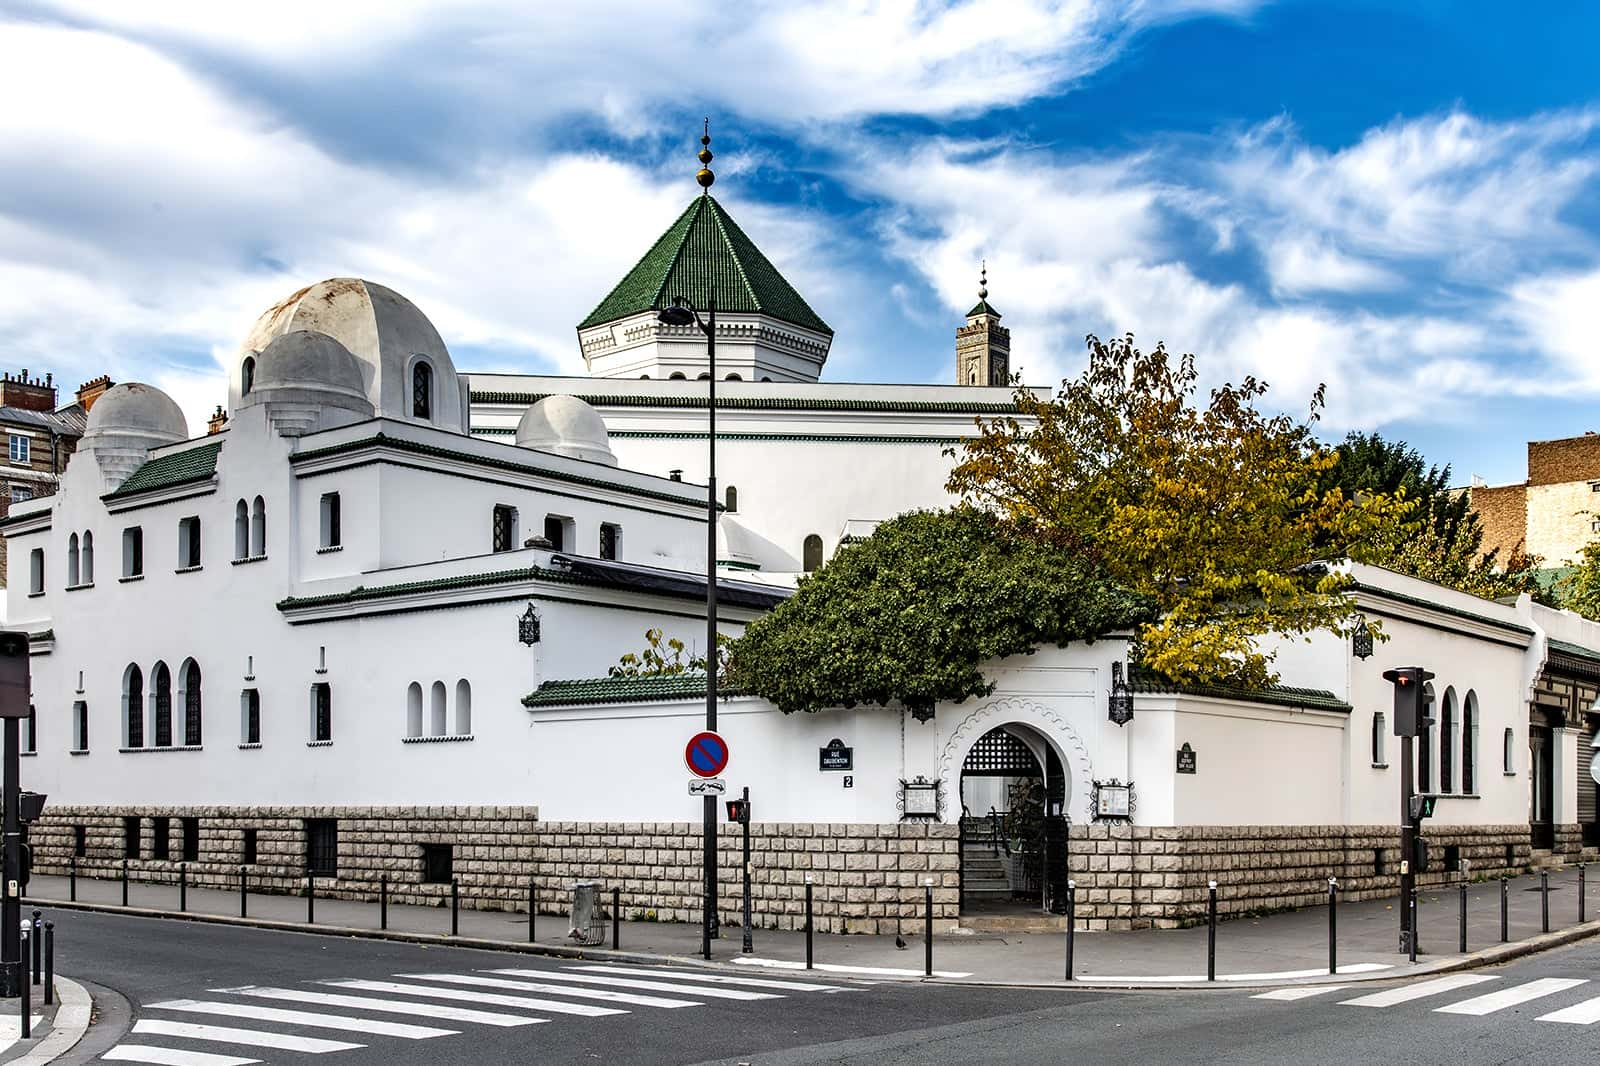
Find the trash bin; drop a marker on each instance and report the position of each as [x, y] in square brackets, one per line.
[588, 925]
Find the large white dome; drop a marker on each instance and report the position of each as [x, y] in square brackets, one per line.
[134, 409]
[567, 426]
[387, 335]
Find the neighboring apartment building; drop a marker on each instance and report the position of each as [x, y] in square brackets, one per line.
[1556, 511]
[40, 437]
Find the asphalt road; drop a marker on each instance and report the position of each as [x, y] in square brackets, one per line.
[208, 995]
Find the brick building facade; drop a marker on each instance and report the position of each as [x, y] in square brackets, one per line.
[1556, 511]
[40, 436]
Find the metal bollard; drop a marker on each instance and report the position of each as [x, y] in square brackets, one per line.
[927, 936]
[1463, 917]
[1580, 894]
[1211, 932]
[124, 882]
[38, 944]
[455, 907]
[1505, 918]
[1333, 925]
[808, 921]
[243, 905]
[27, 988]
[1412, 903]
[49, 963]
[533, 906]
[72, 879]
[311, 898]
[183, 887]
[616, 916]
[383, 902]
[1544, 900]
[1072, 922]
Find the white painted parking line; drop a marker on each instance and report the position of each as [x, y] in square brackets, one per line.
[493, 999]
[166, 1056]
[1290, 995]
[384, 1006]
[1195, 978]
[711, 978]
[1585, 1013]
[833, 967]
[1420, 990]
[601, 994]
[345, 1022]
[1511, 997]
[222, 1034]
[647, 986]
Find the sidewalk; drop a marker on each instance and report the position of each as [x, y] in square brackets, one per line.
[55, 1028]
[1279, 949]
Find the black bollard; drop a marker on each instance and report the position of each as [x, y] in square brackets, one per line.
[1412, 904]
[243, 906]
[616, 916]
[311, 898]
[72, 879]
[1505, 918]
[183, 887]
[1463, 917]
[1072, 922]
[1544, 900]
[27, 988]
[49, 963]
[1580, 894]
[124, 882]
[1333, 925]
[808, 921]
[1211, 932]
[455, 907]
[927, 936]
[38, 944]
[533, 906]
[383, 902]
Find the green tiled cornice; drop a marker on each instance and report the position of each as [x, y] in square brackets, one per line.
[1418, 601]
[165, 471]
[1277, 695]
[761, 403]
[621, 690]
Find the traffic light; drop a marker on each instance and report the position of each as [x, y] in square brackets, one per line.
[1410, 708]
[1422, 806]
[739, 811]
[1419, 856]
[14, 683]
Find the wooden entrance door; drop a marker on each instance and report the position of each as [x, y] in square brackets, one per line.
[1541, 802]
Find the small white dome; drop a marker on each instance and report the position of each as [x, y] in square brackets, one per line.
[134, 409]
[567, 426]
[309, 362]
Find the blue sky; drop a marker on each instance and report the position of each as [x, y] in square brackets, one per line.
[1395, 199]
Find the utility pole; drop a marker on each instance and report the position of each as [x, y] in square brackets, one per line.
[1410, 719]
[14, 698]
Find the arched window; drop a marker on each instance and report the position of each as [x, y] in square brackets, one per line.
[80, 725]
[161, 704]
[247, 375]
[36, 572]
[676, 375]
[133, 707]
[1425, 743]
[321, 713]
[1509, 754]
[189, 678]
[436, 722]
[733, 377]
[463, 708]
[811, 554]
[1469, 744]
[422, 390]
[86, 570]
[1447, 743]
[72, 560]
[241, 531]
[414, 710]
[1379, 738]
[733, 500]
[250, 716]
[258, 527]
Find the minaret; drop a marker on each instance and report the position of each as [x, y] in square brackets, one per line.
[983, 345]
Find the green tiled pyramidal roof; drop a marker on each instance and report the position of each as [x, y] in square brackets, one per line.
[621, 690]
[983, 307]
[193, 464]
[702, 249]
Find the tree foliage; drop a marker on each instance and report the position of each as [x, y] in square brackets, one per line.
[663, 657]
[1214, 510]
[911, 614]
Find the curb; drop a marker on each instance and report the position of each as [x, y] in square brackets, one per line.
[71, 1022]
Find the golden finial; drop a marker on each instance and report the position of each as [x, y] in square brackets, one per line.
[705, 177]
[983, 281]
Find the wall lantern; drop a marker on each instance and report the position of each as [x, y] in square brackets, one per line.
[1121, 697]
[1361, 639]
[528, 627]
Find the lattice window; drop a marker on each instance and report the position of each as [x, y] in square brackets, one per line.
[999, 754]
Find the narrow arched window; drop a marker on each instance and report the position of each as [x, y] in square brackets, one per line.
[676, 375]
[422, 390]
[733, 377]
[1509, 754]
[250, 716]
[321, 713]
[258, 527]
[190, 678]
[811, 555]
[732, 500]
[414, 710]
[1447, 743]
[1469, 745]
[36, 572]
[1380, 725]
[161, 704]
[463, 708]
[436, 716]
[241, 531]
[72, 560]
[247, 375]
[133, 707]
[86, 569]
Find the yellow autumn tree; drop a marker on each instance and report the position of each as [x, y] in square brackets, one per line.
[1215, 510]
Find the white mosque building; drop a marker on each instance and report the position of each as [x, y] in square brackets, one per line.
[364, 631]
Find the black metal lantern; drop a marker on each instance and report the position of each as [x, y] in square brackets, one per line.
[1121, 697]
[1361, 640]
[528, 627]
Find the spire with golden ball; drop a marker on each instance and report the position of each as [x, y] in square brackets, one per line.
[705, 177]
[983, 345]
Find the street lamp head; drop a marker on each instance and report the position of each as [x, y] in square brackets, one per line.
[678, 313]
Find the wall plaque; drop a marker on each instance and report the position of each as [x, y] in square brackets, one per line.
[836, 756]
[1186, 764]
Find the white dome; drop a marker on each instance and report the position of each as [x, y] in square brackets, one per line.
[134, 409]
[386, 334]
[309, 382]
[567, 426]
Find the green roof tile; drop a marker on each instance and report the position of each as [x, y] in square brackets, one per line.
[621, 690]
[758, 403]
[1277, 695]
[983, 307]
[703, 249]
[164, 471]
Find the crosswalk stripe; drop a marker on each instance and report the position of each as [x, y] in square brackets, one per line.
[384, 1006]
[528, 1002]
[1407, 993]
[560, 990]
[166, 1056]
[222, 1034]
[346, 1022]
[1510, 997]
[1290, 995]
[647, 986]
[1585, 1013]
[712, 978]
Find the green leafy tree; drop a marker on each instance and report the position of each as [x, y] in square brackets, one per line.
[663, 657]
[1214, 510]
[911, 614]
[1580, 589]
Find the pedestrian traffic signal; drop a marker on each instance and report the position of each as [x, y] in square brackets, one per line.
[739, 811]
[1422, 806]
[1419, 856]
[15, 687]
[1410, 707]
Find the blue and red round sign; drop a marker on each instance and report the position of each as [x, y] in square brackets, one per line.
[706, 754]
